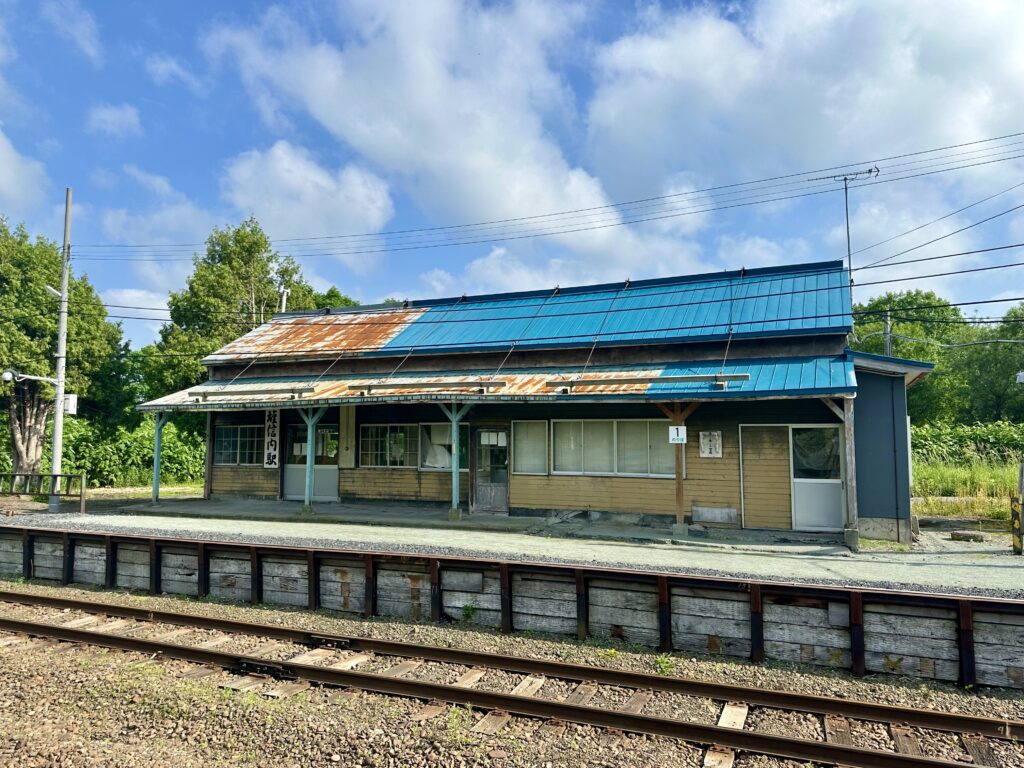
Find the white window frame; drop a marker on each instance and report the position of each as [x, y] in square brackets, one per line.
[615, 451]
[415, 467]
[547, 447]
[419, 459]
[238, 445]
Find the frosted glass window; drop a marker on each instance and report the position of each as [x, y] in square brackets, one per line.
[663, 453]
[530, 447]
[567, 442]
[598, 447]
[632, 447]
[436, 446]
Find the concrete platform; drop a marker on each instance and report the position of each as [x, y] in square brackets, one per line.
[960, 567]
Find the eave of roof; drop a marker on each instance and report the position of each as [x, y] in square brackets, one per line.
[913, 371]
[765, 378]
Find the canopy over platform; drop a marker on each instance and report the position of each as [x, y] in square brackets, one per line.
[819, 376]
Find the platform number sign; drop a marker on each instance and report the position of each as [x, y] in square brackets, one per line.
[272, 440]
[676, 435]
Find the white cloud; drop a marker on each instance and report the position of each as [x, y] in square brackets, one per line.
[23, 181]
[293, 196]
[75, 24]
[164, 69]
[785, 85]
[119, 121]
[158, 185]
[135, 301]
[454, 103]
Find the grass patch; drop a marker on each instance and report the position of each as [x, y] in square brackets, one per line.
[976, 489]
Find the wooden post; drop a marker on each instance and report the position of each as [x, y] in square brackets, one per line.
[435, 590]
[67, 558]
[109, 562]
[161, 420]
[965, 643]
[582, 606]
[677, 416]
[664, 615]
[851, 532]
[208, 461]
[202, 570]
[154, 567]
[369, 587]
[1015, 514]
[756, 624]
[312, 581]
[255, 576]
[857, 658]
[505, 583]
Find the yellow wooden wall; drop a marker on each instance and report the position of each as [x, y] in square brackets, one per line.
[402, 484]
[606, 494]
[767, 485]
[712, 482]
[244, 481]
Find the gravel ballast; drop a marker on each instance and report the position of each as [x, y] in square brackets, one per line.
[90, 707]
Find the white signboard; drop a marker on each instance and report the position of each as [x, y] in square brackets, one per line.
[711, 445]
[676, 435]
[272, 440]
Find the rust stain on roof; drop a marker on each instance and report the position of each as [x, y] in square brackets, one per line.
[312, 335]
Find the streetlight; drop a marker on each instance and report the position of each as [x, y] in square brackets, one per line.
[12, 375]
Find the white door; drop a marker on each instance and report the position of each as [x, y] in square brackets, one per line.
[325, 467]
[817, 478]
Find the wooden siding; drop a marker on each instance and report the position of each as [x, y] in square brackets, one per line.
[244, 481]
[767, 485]
[605, 494]
[399, 484]
[712, 482]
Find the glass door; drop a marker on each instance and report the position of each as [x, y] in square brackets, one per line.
[325, 463]
[817, 478]
[490, 478]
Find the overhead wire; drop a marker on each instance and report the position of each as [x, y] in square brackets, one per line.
[686, 193]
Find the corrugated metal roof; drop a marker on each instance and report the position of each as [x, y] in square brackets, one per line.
[794, 300]
[777, 377]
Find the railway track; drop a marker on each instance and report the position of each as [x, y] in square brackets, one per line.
[281, 661]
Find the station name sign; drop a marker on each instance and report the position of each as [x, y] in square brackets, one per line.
[272, 439]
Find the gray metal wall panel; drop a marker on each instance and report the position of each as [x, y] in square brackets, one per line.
[883, 461]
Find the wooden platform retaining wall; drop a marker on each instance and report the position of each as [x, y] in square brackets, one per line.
[966, 640]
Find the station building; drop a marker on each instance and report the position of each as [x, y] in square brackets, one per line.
[564, 400]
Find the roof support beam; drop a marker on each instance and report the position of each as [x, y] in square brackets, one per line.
[158, 440]
[455, 414]
[677, 415]
[834, 408]
[312, 418]
[851, 534]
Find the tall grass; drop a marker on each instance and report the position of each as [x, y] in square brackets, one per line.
[978, 478]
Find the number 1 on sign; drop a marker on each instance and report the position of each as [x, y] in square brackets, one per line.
[676, 435]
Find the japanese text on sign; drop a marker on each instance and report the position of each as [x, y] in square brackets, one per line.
[272, 440]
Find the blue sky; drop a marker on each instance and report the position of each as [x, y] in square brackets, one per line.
[363, 117]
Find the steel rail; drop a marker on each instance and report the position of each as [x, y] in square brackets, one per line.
[778, 746]
[822, 705]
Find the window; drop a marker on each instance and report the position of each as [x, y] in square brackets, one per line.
[389, 445]
[436, 446]
[630, 447]
[530, 447]
[816, 453]
[238, 445]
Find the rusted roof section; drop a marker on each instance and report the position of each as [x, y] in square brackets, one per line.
[791, 300]
[775, 377]
[314, 336]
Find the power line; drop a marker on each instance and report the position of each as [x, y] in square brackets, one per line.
[758, 200]
[936, 221]
[626, 203]
[645, 308]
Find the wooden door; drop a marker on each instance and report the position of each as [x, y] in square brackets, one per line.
[767, 478]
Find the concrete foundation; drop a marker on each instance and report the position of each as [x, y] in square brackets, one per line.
[886, 528]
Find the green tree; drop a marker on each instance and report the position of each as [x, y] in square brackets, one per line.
[234, 287]
[988, 390]
[28, 343]
[933, 399]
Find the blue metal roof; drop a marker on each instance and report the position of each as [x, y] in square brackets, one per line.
[770, 377]
[776, 301]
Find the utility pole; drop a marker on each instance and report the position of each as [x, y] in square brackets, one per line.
[62, 354]
[888, 333]
[846, 179]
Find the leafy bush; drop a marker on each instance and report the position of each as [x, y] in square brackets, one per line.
[997, 442]
[123, 457]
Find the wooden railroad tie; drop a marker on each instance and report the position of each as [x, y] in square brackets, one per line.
[352, 661]
[580, 696]
[494, 721]
[432, 709]
[979, 750]
[837, 730]
[83, 621]
[309, 657]
[734, 715]
[906, 740]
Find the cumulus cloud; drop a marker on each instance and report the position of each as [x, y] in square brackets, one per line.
[455, 105]
[158, 185]
[294, 196]
[117, 120]
[76, 25]
[23, 180]
[164, 70]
